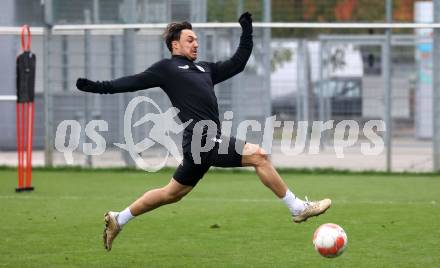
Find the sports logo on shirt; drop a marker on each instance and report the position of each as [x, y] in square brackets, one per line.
[185, 67]
[200, 68]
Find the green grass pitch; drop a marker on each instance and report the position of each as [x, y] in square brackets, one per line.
[229, 220]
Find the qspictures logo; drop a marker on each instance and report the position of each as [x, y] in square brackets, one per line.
[346, 134]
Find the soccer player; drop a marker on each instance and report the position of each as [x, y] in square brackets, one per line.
[190, 87]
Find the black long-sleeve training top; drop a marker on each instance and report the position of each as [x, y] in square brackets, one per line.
[188, 84]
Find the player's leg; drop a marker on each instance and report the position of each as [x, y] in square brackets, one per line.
[185, 178]
[301, 210]
[171, 193]
[255, 156]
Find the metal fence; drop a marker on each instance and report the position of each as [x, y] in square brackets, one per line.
[105, 56]
[297, 74]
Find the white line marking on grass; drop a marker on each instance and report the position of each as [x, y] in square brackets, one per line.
[45, 197]
[376, 202]
[60, 254]
[210, 199]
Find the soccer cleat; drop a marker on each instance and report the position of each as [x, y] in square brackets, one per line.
[312, 209]
[111, 230]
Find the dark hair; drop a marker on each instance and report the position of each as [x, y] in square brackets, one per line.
[173, 30]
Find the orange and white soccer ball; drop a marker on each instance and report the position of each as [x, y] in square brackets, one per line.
[330, 240]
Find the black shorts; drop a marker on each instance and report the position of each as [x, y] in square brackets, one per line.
[189, 172]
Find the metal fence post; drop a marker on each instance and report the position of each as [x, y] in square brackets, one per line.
[47, 100]
[267, 17]
[436, 90]
[322, 81]
[88, 74]
[128, 63]
[388, 88]
[240, 7]
[298, 55]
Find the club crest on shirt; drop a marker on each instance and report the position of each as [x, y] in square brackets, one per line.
[200, 68]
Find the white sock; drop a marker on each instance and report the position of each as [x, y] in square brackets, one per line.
[295, 205]
[124, 216]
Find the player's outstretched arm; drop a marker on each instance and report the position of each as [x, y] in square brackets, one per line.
[223, 70]
[144, 80]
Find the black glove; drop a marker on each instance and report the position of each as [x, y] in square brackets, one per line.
[245, 21]
[86, 85]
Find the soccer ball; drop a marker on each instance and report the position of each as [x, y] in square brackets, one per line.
[330, 240]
